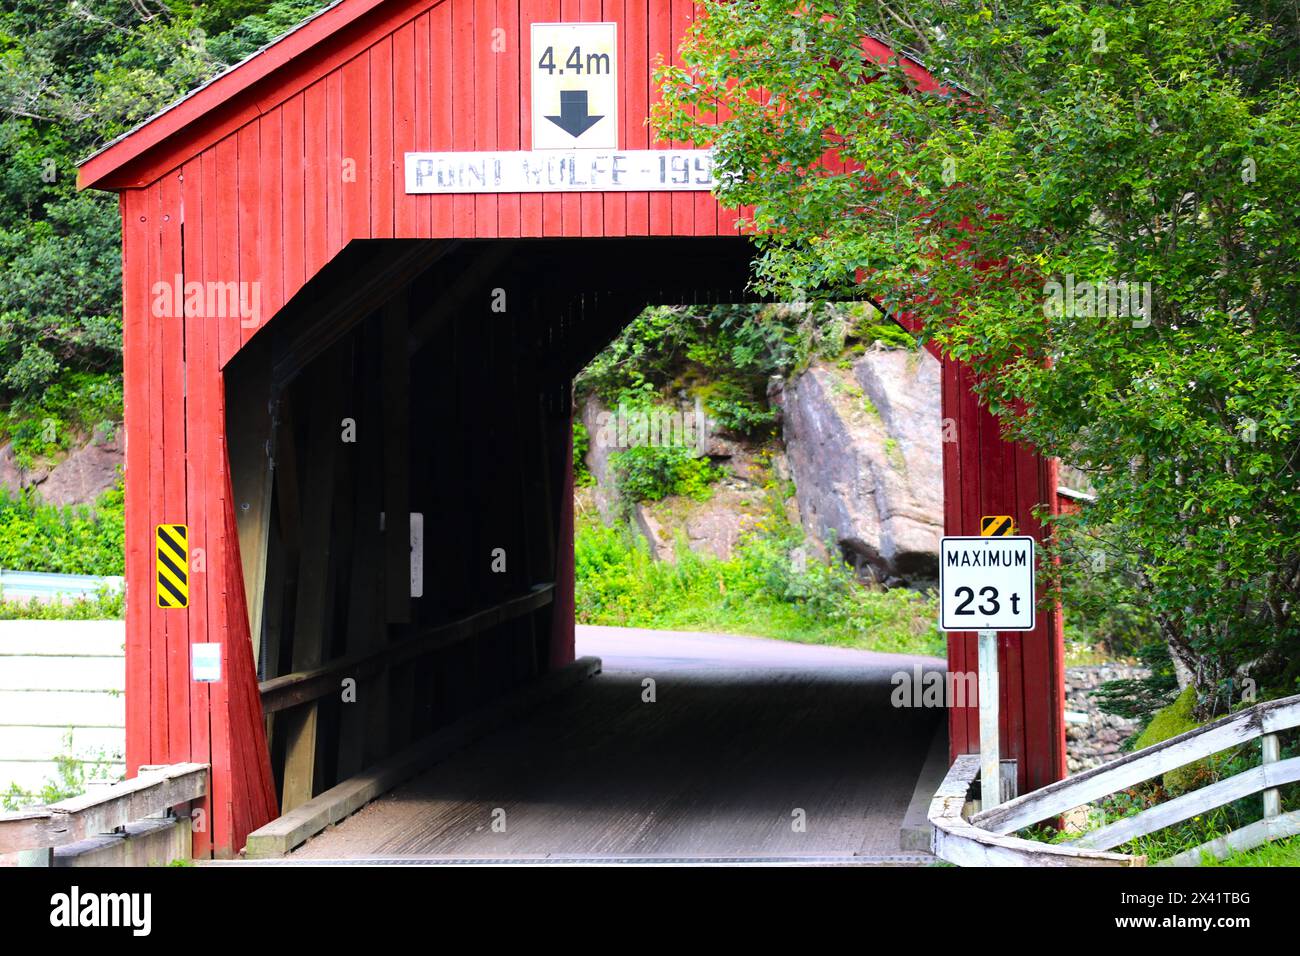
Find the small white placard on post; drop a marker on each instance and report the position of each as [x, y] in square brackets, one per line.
[417, 554]
[205, 663]
[986, 584]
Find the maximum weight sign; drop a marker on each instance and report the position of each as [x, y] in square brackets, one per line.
[986, 584]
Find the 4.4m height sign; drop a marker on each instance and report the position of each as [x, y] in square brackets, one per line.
[575, 85]
[986, 584]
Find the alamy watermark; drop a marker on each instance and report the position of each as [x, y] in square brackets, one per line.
[656, 427]
[208, 300]
[1114, 298]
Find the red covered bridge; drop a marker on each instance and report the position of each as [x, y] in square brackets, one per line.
[286, 277]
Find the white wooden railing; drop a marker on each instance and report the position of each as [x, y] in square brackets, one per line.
[154, 790]
[983, 838]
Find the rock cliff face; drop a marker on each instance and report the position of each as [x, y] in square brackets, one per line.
[79, 478]
[863, 444]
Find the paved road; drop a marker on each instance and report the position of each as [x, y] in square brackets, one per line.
[746, 736]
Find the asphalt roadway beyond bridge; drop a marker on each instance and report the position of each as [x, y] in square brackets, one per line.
[752, 750]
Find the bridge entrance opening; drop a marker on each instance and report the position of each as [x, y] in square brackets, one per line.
[401, 442]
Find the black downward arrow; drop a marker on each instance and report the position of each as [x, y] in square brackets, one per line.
[574, 118]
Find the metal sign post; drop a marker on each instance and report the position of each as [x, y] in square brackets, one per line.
[990, 761]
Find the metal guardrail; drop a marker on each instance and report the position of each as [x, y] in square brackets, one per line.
[25, 585]
[984, 838]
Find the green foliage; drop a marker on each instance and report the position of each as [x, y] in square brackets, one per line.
[1155, 142]
[68, 540]
[73, 76]
[725, 356]
[1139, 698]
[653, 472]
[582, 476]
[72, 773]
[105, 605]
[257, 29]
[78, 405]
[764, 589]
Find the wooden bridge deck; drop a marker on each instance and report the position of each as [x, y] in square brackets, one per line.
[743, 733]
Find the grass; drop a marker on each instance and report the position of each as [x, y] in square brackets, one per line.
[1279, 853]
[766, 589]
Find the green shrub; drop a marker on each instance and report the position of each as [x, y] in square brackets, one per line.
[69, 540]
[582, 476]
[103, 606]
[653, 472]
[764, 589]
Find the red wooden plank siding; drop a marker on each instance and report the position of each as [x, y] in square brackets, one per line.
[271, 208]
[530, 204]
[462, 103]
[200, 378]
[634, 48]
[251, 261]
[615, 204]
[570, 203]
[482, 64]
[441, 82]
[660, 34]
[968, 447]
[382, 164]
[505, 63]
[223, 793]
[225, 266]
[136, 228]
[409, 128]
[950, 402]
[592, 212]
[352, 171]
[335, 187]
[158, 672]
[683, 204]
[422, 81]
[553, 204]
[313, 183]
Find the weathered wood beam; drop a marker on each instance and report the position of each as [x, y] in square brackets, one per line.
[300, 687]
[1056, 798]
[153, 790]
[312, 621]
[957, 840]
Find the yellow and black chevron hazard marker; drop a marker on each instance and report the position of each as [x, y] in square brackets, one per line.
[997, 526]
[173, 565]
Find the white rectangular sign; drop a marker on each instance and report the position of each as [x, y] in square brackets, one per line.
[986, 584]
[205, 663]
[629, 170]
[417, 554]
[575, 85]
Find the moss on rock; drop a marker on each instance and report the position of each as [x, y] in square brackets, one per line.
[1169, 722]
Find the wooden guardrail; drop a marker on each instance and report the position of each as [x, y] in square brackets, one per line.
[300, 687]
[983, 838]
[153, 790]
